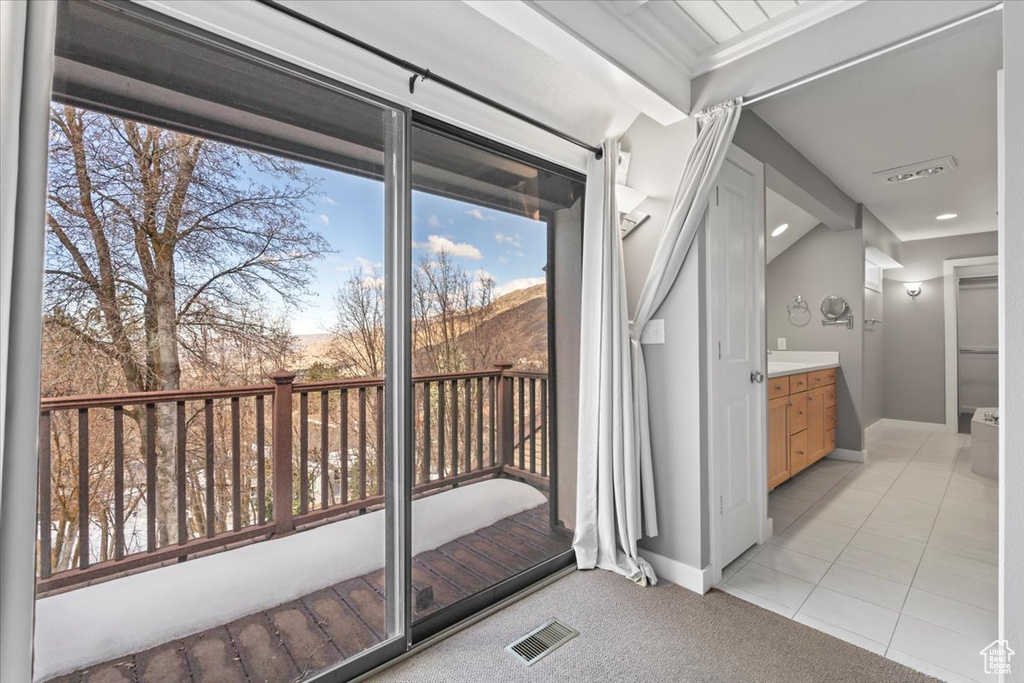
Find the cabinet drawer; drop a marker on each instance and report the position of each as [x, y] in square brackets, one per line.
[798, 383]
[821, 378]
[778, 386]
[798, 452]
[797, 412]
[830, 395]
[830, 418]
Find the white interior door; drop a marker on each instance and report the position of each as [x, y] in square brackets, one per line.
[735, 243]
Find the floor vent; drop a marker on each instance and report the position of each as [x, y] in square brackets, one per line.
[542, 641]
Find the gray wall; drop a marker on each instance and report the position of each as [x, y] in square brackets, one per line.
[823, 262]
[877, 235]
[873, 399]
[673, 368]
[793, 176]
[913, 335]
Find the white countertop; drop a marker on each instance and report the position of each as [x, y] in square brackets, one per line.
[792, 362]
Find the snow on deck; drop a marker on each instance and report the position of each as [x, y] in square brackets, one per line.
[108, 620]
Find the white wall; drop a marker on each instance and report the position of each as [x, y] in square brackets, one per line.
[658, 156]
[1011, 247]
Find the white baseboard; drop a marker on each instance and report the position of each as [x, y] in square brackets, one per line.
[909, 424]
[848, 455]
[674, 571]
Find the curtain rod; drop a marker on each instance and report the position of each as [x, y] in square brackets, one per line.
[854, 61]
[423, 74]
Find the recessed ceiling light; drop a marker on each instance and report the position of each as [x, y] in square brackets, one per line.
[945, 216]
[779, 230]
[900, 177]
[933, 170]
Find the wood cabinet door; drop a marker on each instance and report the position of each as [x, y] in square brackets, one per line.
[798, 412]
[798, 455]
[778, 441]
[816, 423]
[778, 386]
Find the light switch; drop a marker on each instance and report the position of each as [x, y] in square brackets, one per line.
[782, 344]
[654, 332]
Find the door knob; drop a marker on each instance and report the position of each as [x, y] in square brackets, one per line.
[756, 377]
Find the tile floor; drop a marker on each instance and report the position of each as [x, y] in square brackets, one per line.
[897, 555]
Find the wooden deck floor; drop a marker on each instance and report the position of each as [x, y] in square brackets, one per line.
[297, 639]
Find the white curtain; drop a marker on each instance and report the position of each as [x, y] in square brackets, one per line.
[615, 503]
[27, 32]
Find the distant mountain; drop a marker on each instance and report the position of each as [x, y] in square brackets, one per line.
[513, 329]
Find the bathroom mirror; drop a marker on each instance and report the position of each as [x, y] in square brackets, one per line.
[833, 306]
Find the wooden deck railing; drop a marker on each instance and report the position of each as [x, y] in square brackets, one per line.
[189, 472]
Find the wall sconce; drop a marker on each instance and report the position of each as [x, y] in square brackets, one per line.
[913, 289]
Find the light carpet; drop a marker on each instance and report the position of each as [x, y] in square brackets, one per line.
[665, 633]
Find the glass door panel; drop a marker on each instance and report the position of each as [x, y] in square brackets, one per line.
[483, 332]
[219, 481]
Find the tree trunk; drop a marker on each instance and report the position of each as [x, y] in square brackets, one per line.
[162, 354]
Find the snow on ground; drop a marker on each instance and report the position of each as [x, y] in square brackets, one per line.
[134, 613]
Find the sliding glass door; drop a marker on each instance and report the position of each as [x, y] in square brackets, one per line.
[220, 468]
[299, 383]
[484, 324]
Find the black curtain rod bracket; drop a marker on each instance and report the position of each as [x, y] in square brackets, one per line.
[423, 74]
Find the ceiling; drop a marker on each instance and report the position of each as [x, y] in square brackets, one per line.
[693, 36]
[779, 210]
[935, 98]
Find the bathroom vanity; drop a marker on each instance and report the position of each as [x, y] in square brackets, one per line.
[801, 413]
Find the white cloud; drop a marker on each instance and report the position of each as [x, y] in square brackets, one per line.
[327, 199]
[434, 222]
[502, 260]
[368, 267]
[502, 238]
[437, 244]
[480, 215]
[324, 219]
[518, 283]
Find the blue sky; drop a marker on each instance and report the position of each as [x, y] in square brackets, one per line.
[349, 212]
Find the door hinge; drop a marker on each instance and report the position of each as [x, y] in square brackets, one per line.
[721, 506]
[716, 195]
[719, 349]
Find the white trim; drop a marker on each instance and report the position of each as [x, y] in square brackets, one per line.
[773, 31]
[848, 455]
[950, 270]
[679, 573]
[908, 424]
[567, 47]
[755, 167]
[265, 30]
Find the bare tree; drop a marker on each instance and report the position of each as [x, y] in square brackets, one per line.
[358, 344]
[447, 303]
[162, 241]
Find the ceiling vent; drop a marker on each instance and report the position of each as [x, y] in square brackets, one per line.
[922, 169]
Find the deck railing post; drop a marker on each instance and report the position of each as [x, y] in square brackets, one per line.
[506, 416]
[281, 428]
